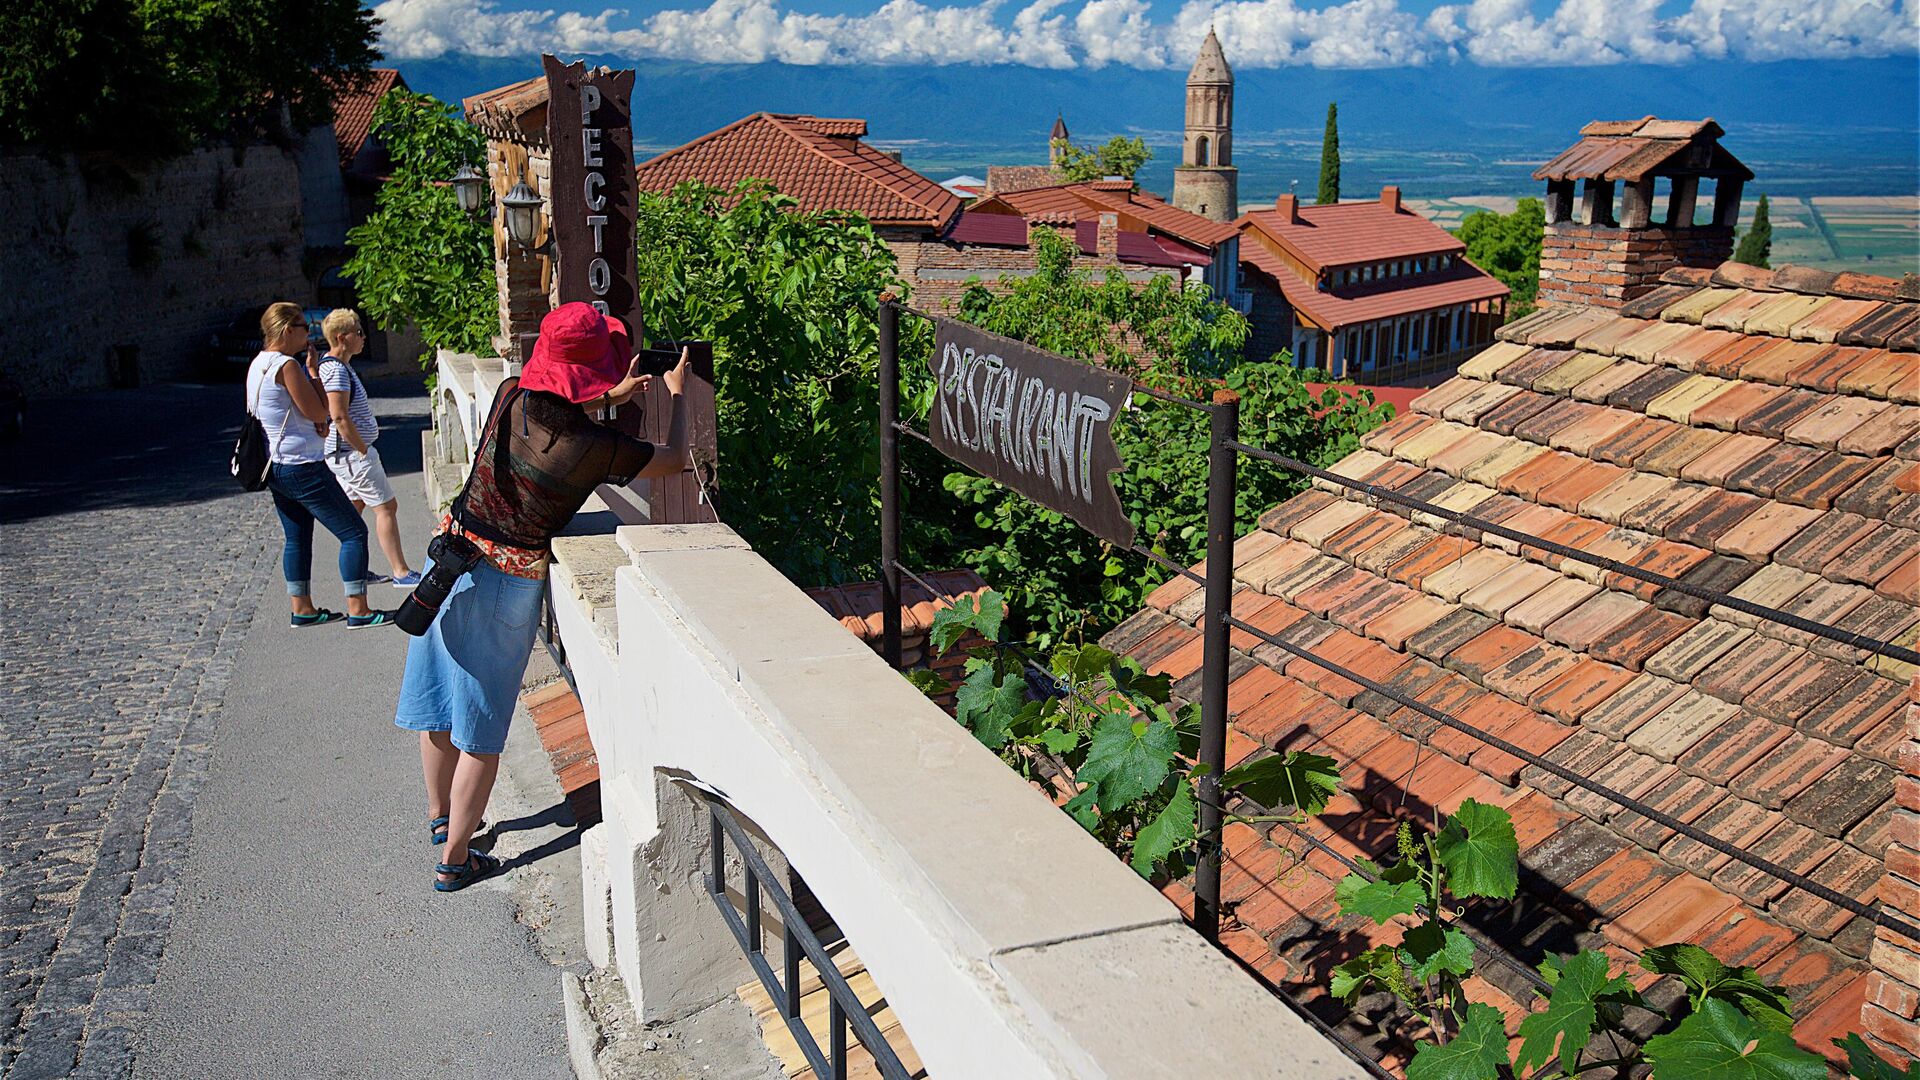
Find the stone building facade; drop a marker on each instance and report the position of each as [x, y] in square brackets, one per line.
[124, 274]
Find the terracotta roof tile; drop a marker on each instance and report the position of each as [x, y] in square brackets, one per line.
[1766, 472]
[1824, 482]
[353, 107]
[1632, 642]
[821, 163]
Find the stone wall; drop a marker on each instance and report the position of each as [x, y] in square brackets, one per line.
[122, 277]
[1606, 266]
[1213, 193]
[528, 287]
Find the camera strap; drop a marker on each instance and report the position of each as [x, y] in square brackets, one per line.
[490, 442]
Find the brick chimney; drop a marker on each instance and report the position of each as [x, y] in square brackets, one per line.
[1107, 236]
[1890, 1017]
[1390, 198]
[1288, 206]
[1598, 256]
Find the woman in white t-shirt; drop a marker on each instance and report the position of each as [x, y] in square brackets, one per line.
[284, 395]
[351, 455]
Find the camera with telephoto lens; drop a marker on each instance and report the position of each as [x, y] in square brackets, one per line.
[452, 557]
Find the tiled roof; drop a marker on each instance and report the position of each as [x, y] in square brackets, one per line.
[1350, 305]
[857, 606]
[819, 161]
[1349, 234]
[353, 110]
[1066, 204]
[1632, 150]
[1730, 431]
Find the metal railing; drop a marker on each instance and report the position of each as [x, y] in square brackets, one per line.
[797, 939]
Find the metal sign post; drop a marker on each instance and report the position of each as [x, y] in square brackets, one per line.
[1224, 431]
[1041, 425]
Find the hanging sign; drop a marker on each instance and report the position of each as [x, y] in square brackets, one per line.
[590, 138]
[1040, 424]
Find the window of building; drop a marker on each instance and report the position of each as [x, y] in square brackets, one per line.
[1200, 150]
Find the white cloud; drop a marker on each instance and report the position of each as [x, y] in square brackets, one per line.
[1100, 33]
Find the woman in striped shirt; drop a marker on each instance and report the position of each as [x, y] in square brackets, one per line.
[350, 450]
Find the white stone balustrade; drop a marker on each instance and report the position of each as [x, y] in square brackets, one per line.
[1009, 942]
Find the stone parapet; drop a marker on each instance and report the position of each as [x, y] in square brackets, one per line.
[1006, 940]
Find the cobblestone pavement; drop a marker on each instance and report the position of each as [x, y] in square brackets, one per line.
[130, 567]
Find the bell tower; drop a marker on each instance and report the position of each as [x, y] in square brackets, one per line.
[1206, 182]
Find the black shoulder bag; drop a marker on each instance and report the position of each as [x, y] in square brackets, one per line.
[250, 457]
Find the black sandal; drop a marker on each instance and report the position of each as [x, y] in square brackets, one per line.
[437, 828]
[479, 866]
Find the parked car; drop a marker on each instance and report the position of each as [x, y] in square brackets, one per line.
[13, 410]
[234, 345]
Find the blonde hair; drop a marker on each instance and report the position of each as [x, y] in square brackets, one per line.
[278, 319]
[337, 323]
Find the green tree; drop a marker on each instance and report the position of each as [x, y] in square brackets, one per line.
[1065, 584]
[151, 78]
[790, 300]
[1756, 244]
[1120, 156]
[1330, 158]
[418, 259]
[1508, 247]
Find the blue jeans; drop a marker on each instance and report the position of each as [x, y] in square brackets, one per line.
[307, 493]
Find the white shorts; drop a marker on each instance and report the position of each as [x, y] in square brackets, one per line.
[361, 476]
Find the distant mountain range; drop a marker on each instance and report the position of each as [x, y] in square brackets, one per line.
[1807, 128]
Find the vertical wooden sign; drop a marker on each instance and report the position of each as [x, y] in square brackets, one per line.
[590, 138]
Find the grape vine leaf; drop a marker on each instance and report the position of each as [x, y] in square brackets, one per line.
[1172, 829]
[1864, 1064]
[989, 710]
[1706, 977]
[1126, 758]
[983, 613]
[1430, 949]
[1082, 810]
[1378, 962]
[1060, 740]
[1296, 778]
[930, 683]
[1480, 852]
[1719, 1042]
[1379, 900]
[1476, 1052]
[1571, 1013]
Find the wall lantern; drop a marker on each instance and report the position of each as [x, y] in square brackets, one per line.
[469, 188]
[522, 205]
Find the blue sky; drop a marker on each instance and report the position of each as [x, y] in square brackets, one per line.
[1158, 34]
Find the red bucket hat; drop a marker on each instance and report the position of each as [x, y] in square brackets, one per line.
[580, 355]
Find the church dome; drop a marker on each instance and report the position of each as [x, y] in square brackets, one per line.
[1211, 65]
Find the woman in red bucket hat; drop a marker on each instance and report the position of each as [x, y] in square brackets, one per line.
[539, 458]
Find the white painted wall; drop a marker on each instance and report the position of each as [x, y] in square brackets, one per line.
[1008, 941]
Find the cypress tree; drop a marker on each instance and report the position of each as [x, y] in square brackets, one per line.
[1757, 243]
[1330, 158]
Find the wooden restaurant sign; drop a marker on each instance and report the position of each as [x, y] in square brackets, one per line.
[1040, 424]
[590, 137]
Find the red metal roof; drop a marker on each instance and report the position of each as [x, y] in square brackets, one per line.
[1004, 230]
[819, 161]
[1349, 234]
[1351, 305]
[353, 110]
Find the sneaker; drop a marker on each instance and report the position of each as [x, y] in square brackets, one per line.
[321, 615]
[377, 579]
[377, 618]
[404, 581]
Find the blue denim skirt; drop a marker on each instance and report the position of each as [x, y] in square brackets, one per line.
[463, 675]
